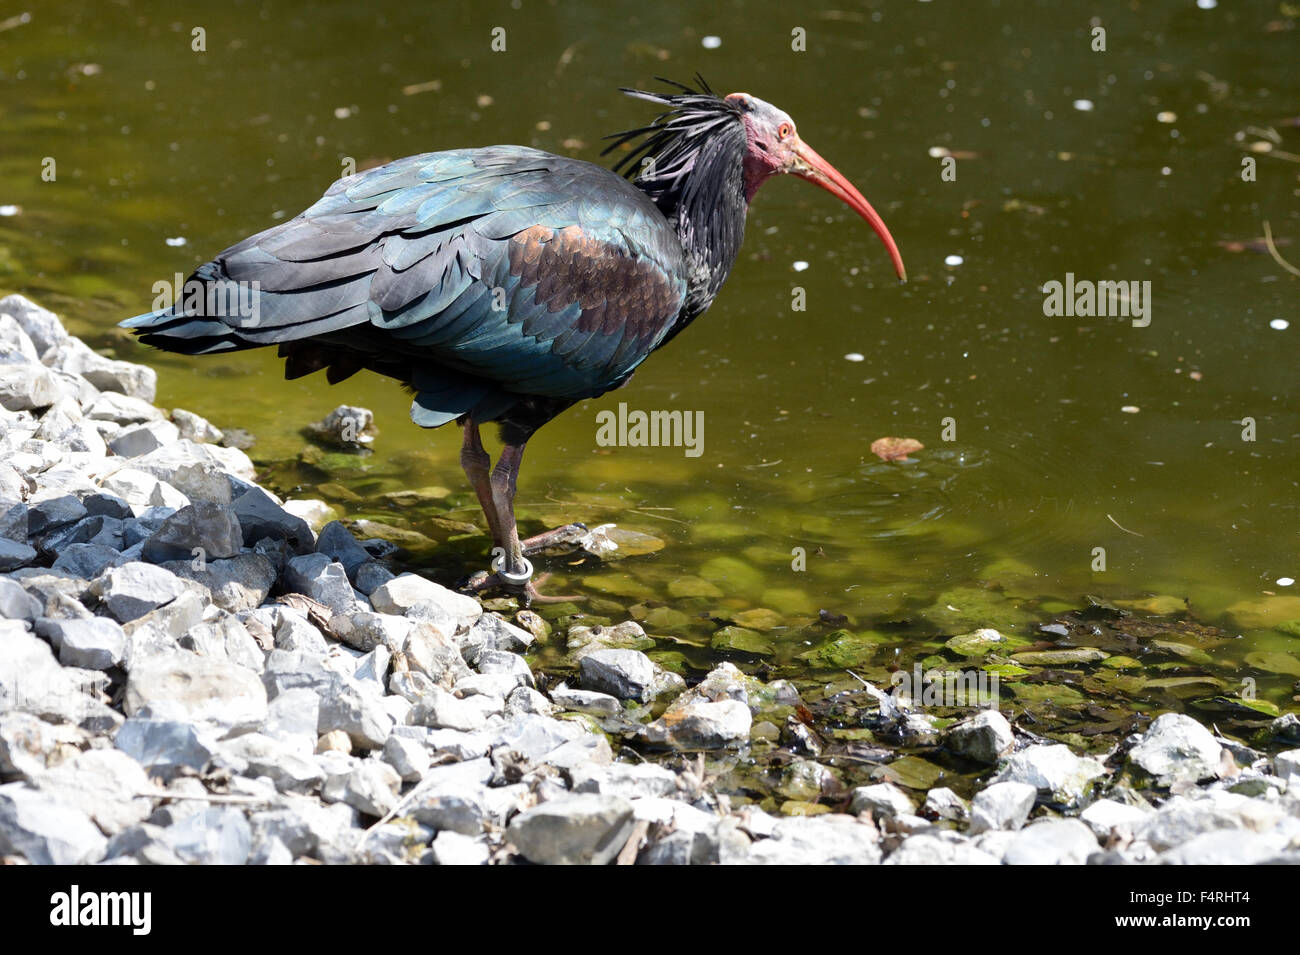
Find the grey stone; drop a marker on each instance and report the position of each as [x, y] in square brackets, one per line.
[51, 513]
[626, 674]
[1287, 764]
[88, 560]
[295, 633]
[985, 738]
[1004, 805]
[932, 849]
[883, 800]
[122, 409]
[139, 439]
[225, 638]
[493, 633]
[26, 385]
[134, 589]
[344, 704]
[321, 579]
[1176, 747]
[187, 687]
[629, 780]
[16, 603]
[292, 718]
[39, 324]
[14, 555]
[200, 529]
[1228, 847]
[818, 840]
[337, 542]
[1105, 816]
[260, 516]
[214, 836]
[96, 644]
[404, 593]
[166, 747]
[702, 725]
[525, 700]
[371, 788]
[408, 757]
[1052, 842]
[238, 583]
[105, 784]
[259, 755]
[430, 652]
[943, 803]
[462, 809]
[507, 664]
[576, 830]
[370, 576]
[45, 831]
[195, 427]
[440, 710]
[1059, 775]
[453, 848]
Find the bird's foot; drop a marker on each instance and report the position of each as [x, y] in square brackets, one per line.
[527, 588]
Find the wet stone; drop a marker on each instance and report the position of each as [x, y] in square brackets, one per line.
[626, 674]
[985, 738]
[261, 517]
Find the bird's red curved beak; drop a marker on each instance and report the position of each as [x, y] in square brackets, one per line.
[808, 165]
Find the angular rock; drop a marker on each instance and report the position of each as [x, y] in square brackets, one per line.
[1176, 747]
[1052, 842]
[215, 836]
[1059, 775]
[321, 579]
[985, 738]
[337, 542]
[883, 800]
[626, 674]
[189, 688]
[260, 517]
[695, 725]
[404, 593]
[1003, 805]
[135, 588]
[96, 644]
[166, 747]
[202, 529]
[237, 584]
[45, 831]
[453, 848]
[575, 830]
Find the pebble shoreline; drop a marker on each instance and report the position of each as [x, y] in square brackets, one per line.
[194, 671]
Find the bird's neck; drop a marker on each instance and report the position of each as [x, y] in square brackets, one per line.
[709, 216]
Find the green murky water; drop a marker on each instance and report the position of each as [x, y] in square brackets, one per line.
[996, 522]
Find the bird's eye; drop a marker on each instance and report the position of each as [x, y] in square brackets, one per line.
[783, 131]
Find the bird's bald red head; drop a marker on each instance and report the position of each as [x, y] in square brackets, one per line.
[773, 147]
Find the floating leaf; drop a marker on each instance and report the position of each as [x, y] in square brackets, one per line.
[895, 449]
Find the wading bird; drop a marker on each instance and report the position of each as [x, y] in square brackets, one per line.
[504, 283]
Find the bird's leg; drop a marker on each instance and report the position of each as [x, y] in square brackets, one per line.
[514, 567]
[478, 468]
